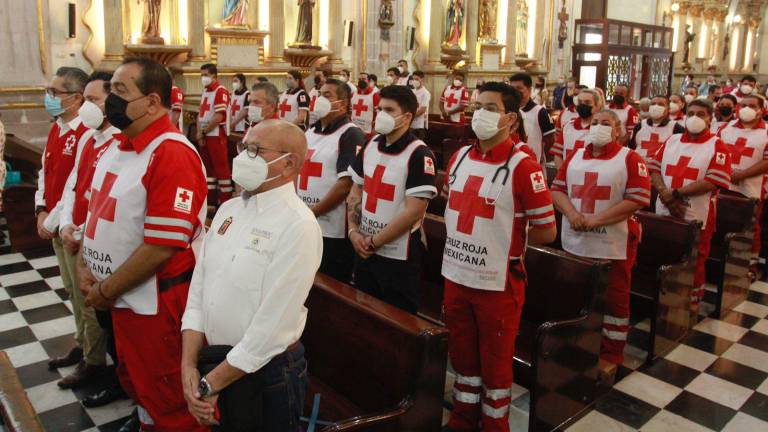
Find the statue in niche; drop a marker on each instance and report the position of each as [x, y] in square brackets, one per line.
[234, 13]
[454, 23]
[150, 24]
[386, 18]
[689, 37]
[487, 21]
[304, 23]
[726, 44]
[521, 33]
[562, 31]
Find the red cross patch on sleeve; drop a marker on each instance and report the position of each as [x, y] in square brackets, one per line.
[183, 200]
[642, 170]
[537, 182]
[720, 158]
[429, 166]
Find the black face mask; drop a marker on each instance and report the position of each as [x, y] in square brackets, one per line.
[317, 81]
[362, 85]
[584, 111]
[618, 99]
[115, 108]
[725, 111]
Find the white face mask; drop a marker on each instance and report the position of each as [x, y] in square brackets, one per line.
[250, 173]
[91, 115]
[416, 84]
[674, 108]
[746, 114]
[600, 135]
[457, 83]
[400, 68]
[745, 89]
[389, 80]
[688, 98]
[656, 111]
[235, 86]
[254, 114]
[485, 124]
[206, 80]
[695, 125]
[344, 79]
[385, 123]
[322, 107]
[644, 114]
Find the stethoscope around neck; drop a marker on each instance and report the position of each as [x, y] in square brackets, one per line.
[502, 168]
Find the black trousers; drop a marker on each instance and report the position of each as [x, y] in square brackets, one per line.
[396, 282]
[338, 259]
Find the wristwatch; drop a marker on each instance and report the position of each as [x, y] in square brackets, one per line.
[204, 387]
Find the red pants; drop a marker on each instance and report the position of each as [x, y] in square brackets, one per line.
[705, 244]
[482, 329]
[616, 313]
[150, 348]
[216, 160]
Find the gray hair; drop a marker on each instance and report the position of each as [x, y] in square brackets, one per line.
[645, 102]
[75, 79]
[270, 91]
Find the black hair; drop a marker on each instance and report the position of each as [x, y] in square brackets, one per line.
[418, 73]
[106, 77]
[75, 79]
[211, 68]
[394, 70]
[297, 76]
[703, 103]
[342, 90]
[522, 77]
[373, 77]
[154, 78]
[730, 97]
[748, 78]
[403, 96]
[458, 73]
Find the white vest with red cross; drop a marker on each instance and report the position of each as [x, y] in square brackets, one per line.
[533, 130]
[623, 114]
[288, 109]
[685, 163]
[595, 185]
[650, 138]
[479, 222]
[573, 138]
[313, 95]
[747, 147]
[362, 111]
[318, 175]
[208, 110]
[238, 103]
[384, 194]
[452, 97]
[117, 209]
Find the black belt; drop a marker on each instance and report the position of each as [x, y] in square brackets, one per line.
[166, 284]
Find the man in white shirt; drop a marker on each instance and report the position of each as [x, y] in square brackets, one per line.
[246, 301]
[423, 97]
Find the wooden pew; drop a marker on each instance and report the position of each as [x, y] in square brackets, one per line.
[376, 367]
[558, 344]
[16, 411]
[729, 258]
[662, 280]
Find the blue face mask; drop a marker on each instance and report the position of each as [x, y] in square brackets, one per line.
[53, 105]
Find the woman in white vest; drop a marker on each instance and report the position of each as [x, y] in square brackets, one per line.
[574, 133]
[598, 189]
[687, 171]
[324, 180]
[725, 112]
[651, 133]
[677, 109]
[747, 139]
[238, 104]
[294, 101]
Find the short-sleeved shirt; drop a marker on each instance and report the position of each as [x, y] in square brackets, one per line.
[627, 114]
[177, 99]
[173, 166]
[423, 98]
[419, 183]
[350, 142]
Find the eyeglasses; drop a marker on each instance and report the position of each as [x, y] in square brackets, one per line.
[52, 92]
[489, 107]
[252, 150]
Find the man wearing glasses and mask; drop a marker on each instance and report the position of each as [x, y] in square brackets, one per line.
[245, 312]
[494, 194]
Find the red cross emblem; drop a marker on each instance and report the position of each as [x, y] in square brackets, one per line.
[360, 107]
[285, 108]
[184, 196]
[376, 189]
[235, 106]
[101, 206]
[451, 100]
[470, 205]
[589, 193]
[680, 172]
[651, 145]
[312, 103]
[740, 149]
[204, 107]
[309, 169]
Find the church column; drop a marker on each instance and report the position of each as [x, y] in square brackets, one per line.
[276, 31]
[471, 34]
[252, 18]
[509, 38]
[196, 28]
[718, 19]
[435, 31]
[697, 24]
[539, 34]
[682, 20]
[113, 35]
[335, 31]
[762, 49]
[750, 43]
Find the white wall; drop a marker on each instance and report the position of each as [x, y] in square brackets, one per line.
[641, 11]
[65, 51]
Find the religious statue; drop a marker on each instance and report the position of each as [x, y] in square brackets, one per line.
[687, 46]
[521, 32]
[454, 23]
[386, 18]
[234, 13]
[304, 23]
[487, 21]
[150, 24]
[562, 31]
[726, 44]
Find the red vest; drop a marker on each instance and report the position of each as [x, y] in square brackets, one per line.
[58, 161]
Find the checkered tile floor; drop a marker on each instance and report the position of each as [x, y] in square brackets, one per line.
[717, 380]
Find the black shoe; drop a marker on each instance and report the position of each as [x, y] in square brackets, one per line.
[104, 397]
[132, 425]
[72, 358]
